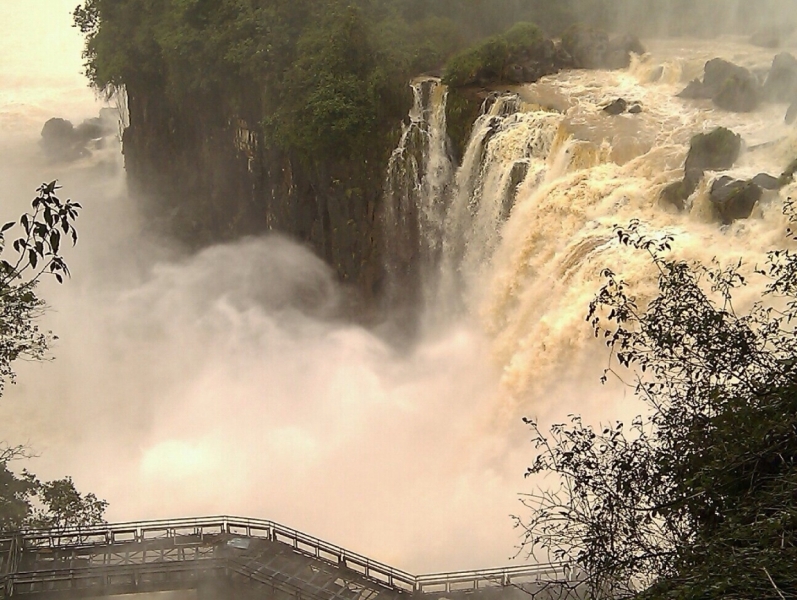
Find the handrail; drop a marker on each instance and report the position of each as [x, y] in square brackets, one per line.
[105, 534]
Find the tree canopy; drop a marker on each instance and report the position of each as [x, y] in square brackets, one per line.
[696, 499]
[330, 76]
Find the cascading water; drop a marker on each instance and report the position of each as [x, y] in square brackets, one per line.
[532, 209]
[418, 178]
[215, 383]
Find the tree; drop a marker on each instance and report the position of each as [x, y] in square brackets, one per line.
[697, 498]
[25, 501]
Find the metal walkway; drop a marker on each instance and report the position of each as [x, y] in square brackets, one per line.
[260, 559]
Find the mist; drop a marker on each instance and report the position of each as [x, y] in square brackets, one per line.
[227, 382]
[223, 382]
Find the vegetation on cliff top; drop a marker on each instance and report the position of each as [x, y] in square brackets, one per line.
[491, 56]
[330, 76]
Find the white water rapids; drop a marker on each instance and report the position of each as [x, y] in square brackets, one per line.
[190, 385]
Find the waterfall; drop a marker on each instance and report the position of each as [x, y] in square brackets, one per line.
[516, 236]
[418, 181]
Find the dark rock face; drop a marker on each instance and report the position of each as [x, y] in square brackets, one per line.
[734, 199]
[714, 151]
[787, 176]
[204, 174]
[781, 84]
[738, 94]
[766, 181]
[586, 45]
[531, 64]
[592, 48]
[618, 53]
[675, 194]
[62, 141]
[730, 86]
[617, 107]
[621, 106]
[695, 90]
[717, 71]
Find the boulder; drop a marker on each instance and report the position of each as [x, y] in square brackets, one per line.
[635, 108]
[695, 90]
[675, 194]
[714, 151]
[90, 129]
[730, 86]
[781, 83]
[514, 73]
[733, 198]
[766, 181]
[60, 141]
[738, 94]
[717, 71]
[587, 46]
[619, 50]
[787, 176]
[617, 107]
[591, 48]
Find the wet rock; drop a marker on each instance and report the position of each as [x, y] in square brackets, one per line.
[635, 109]
[587, 46]
[516, 176]
[60, 141]
[733, 198]
[781, 83]
[717, 71]
[738, 94]
[714, 151]
[591, 48]
[730, 86]
[766, 181]
[514, 73]
[787, 176]
[619, 50]
[617, 107]
[695, 90]
[675, 195]
[791, 114]
[90, 129]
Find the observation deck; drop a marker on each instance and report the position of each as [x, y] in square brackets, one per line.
[224, 557]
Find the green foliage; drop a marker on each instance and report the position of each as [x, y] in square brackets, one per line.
[38, 253]
[695, 499]
[25, 501]
[28, 503]
[288, 60]
[489, 58]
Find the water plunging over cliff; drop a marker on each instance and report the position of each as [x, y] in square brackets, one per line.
[218, 382]
[547, 175]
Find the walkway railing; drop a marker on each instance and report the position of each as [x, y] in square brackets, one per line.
[192, 529]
